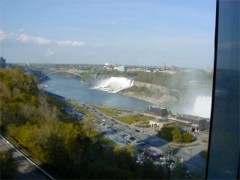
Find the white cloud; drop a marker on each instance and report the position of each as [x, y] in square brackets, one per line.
[5, 35]
[33, 39]
[50, 52]
[25, 38]
[71, 43]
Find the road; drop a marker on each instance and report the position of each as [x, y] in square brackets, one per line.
[27, 169]
[191, 159]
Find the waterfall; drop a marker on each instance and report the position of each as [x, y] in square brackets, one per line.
[202, 106]
[114, 84]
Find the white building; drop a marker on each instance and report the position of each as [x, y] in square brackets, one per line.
[119, 68]
[159, 123]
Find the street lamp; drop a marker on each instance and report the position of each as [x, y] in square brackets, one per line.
[190, 151]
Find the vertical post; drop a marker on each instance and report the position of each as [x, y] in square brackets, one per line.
[190, 152]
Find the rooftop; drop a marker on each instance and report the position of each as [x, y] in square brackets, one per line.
[162, 121]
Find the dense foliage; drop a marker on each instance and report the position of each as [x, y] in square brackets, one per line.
[175, 134]
[58, 140]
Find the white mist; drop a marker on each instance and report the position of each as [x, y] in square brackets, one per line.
[202, 106]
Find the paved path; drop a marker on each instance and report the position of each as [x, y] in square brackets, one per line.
[26, 168]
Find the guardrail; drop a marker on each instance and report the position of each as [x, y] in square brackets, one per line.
[28, 158]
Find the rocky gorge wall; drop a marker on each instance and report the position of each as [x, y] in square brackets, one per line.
[190, 101]
[155, 94]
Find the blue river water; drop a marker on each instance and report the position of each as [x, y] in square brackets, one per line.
[72, 88]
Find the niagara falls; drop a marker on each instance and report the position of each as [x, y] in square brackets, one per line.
[114, 84]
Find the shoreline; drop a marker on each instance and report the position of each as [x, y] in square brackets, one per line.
[62, 98]
[166, 101]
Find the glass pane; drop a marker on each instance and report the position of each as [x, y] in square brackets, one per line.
[135, 77]
[224, 147]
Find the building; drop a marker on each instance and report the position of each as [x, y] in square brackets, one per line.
[2, 62]
[173, 68]
[164, 68]
[119, 68]
[107, 66]
[134, 69]
[158, 111]
[197, 123]
[159, 123]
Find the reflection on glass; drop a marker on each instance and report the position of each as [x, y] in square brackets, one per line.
[224, 146]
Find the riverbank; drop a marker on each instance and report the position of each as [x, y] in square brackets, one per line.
[73, 89]
[154, 94]
[137, 97]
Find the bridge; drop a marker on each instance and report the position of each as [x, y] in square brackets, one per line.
[74, 72]
[68, 71]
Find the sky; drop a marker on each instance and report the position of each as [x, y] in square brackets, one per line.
[136, 32]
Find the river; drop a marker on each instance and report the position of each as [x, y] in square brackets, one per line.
[72, 88]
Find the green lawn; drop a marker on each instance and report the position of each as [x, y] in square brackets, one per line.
[133, 119]
[110, 111]
[205, 141]
[82, 109]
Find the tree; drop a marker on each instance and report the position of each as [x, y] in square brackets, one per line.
[28, 110]
[177, 135]
[188, 137]
[89, 126]
[166, 133]
[179, 172]
[131, 149]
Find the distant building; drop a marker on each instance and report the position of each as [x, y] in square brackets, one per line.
[164, 67]
[9, 65]
[147, 70]
[159, 123]
[197, 123]
[173, 68]
[2, 62]
[119, 68]
[134, 69]
[159, 111]
[107, 66]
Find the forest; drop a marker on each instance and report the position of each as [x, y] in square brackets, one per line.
[58, 141]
